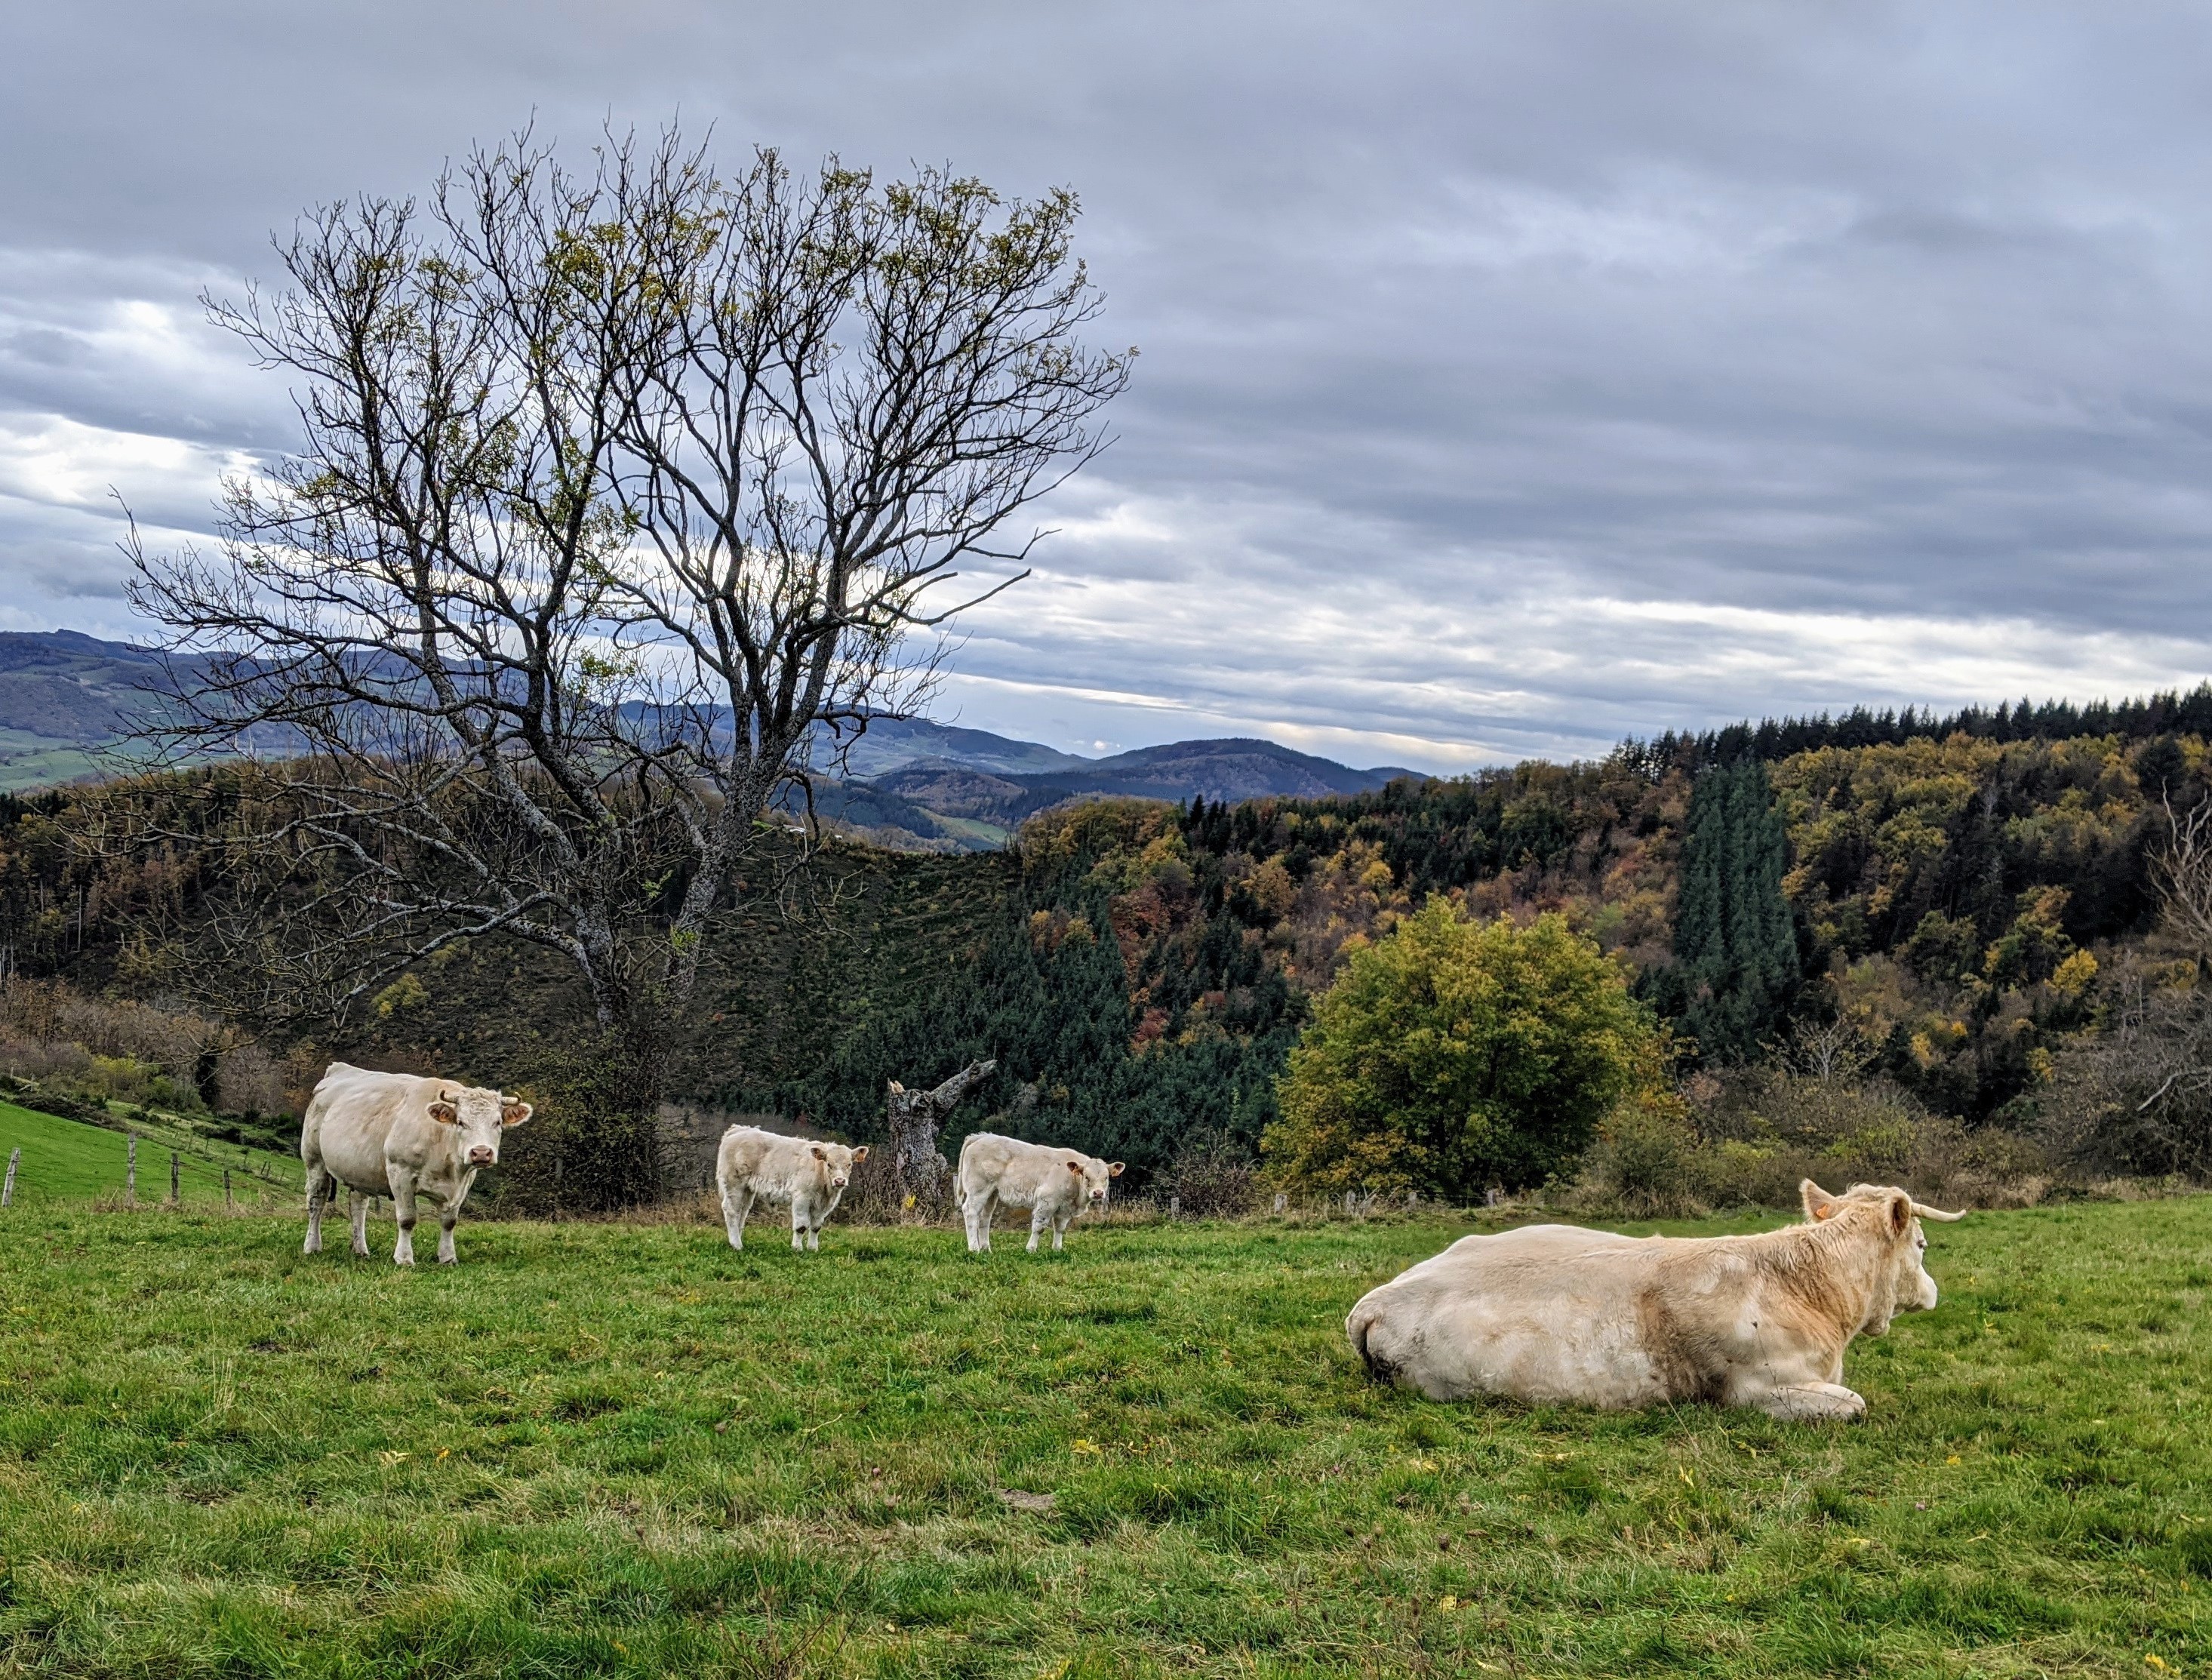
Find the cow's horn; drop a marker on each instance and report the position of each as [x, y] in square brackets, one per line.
[1926, 1212]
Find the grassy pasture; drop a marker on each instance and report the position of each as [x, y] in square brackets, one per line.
[609, 1449]
[69, 1161]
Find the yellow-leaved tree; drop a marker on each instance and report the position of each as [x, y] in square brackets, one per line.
[1456, 1054]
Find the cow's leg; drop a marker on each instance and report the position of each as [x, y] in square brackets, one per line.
[1038, 1219]
[1808, 1403]
[448, 1216]
[736, 1204]
[318, 1192]
[977, 1211]
[814, 1233]
[1059, 1231]
[403, 1203]
[357, 1205]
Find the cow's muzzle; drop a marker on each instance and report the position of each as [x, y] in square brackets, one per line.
[482, 1155]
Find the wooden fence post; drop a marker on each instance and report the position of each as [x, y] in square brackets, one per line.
[1282, 1200]
[130, 1170]
[1174, 1207]
[7, 1190]
[228, 1205]
[176, 1194]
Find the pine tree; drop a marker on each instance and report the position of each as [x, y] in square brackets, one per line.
[1736, 941]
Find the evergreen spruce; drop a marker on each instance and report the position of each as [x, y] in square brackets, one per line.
[1736, 941]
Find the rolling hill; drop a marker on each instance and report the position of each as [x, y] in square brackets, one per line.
[68, 701]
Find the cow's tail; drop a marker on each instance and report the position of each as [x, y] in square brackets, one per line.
[1358, 1327]
[960, 1175]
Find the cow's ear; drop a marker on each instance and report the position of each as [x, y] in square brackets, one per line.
[815, 1149]
[1900, 1213]
[1113, 1169]
[897, 1090]
[859, 1154]
[445, 1113]
[1819, 1204]
[512, 1111]
[1075, 1166]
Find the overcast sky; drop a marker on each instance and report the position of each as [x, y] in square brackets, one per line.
[1514, 377]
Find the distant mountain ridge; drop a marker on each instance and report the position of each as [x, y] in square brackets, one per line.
[908, 783]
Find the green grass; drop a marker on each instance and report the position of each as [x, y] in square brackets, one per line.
[29, 761]
[67, 1161]
[606, 1449]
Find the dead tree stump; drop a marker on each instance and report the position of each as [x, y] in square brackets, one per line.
[911, 1120]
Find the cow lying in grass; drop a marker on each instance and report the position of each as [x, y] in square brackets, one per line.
[399, 1135]
[768, 1166]
[1553, 1312]
[1054, 1184]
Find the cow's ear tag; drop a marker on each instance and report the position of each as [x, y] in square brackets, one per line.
[1817, 1203]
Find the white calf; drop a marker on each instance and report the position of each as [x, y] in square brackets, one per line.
[1055, 1185]
[754, 1165]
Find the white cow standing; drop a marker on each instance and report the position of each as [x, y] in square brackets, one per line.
[1055, 1185]
[754, 1165]
[1557, 1313]
[401, 1136]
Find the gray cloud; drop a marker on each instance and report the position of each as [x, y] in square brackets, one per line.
[1513, 375]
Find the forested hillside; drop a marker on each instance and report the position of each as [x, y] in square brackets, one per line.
[1139, 970]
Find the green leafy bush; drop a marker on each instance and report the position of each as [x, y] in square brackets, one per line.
[1453, 1055]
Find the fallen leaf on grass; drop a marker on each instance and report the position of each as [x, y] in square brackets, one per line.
[1021, 1502]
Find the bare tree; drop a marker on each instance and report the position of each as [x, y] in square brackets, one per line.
[2181, 871]
[1836, 1049]
[621, 499]
[2136, 1097]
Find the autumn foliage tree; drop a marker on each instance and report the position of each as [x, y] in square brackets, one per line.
[1454, 1054]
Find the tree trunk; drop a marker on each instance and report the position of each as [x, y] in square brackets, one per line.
[911, 1120]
